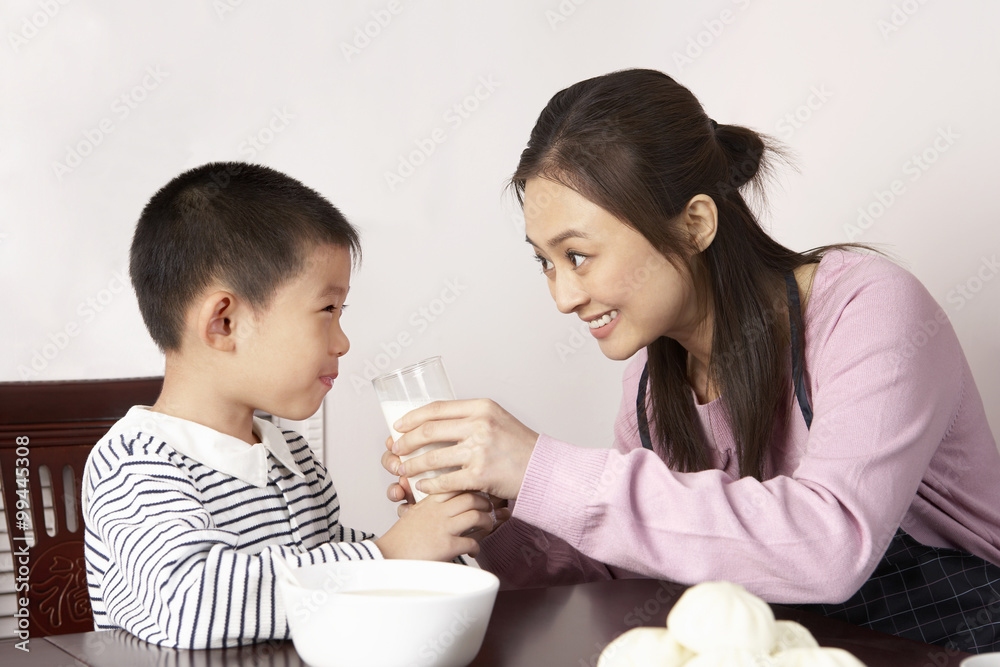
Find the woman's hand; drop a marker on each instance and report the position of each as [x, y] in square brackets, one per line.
[492, 449]
[401, 491]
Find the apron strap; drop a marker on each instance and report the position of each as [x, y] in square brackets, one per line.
[919, 592]
[794, 318]
[794, 324]
[929, 594]
[640, 409]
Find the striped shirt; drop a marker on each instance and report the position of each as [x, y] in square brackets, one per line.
[183, 524]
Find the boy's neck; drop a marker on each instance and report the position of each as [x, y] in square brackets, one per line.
[193, 397]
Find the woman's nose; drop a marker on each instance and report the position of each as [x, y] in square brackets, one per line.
[567, 293]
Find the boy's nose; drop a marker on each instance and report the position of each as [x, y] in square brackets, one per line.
[339, 343]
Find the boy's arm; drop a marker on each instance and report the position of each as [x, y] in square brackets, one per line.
[168, 575]
[338, 531]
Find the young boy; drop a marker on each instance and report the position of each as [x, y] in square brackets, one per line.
[241, 274]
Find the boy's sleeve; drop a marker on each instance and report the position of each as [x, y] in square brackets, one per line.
[338, 532]
[170, 576]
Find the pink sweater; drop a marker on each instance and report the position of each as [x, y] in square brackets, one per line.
[899, 437]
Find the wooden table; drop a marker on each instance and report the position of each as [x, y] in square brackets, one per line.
[545, 627]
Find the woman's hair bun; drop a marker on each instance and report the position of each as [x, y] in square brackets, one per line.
[746, 153]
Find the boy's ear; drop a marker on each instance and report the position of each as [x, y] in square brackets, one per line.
[702, 218]
[215, 321]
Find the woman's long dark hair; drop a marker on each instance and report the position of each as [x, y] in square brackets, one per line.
[639, 145]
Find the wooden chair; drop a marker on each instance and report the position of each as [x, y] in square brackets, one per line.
[53, 426]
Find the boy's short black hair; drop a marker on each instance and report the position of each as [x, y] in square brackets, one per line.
[245, 226]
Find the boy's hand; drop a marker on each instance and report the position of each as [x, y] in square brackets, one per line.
[440, 527]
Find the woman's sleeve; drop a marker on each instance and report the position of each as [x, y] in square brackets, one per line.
[813, 534]
[171, 576]
[524, 556]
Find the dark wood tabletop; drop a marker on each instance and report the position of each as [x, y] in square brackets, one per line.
[551, 627]
[571, 625]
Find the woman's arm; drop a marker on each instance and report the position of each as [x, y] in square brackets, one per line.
[524, 556]
[814, 532]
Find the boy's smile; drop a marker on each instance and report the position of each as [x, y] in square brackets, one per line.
[290, 355]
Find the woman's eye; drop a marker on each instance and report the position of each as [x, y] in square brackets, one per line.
[546, 264]
[332, 308]
[576, 258]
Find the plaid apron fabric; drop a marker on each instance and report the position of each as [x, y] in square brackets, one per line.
[934, 595]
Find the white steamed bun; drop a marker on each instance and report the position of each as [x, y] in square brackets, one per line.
[643, 647]
[789, 635]
[721, 615]
[721, 624]
[730, 657]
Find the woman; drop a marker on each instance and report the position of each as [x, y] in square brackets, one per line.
[804, 424]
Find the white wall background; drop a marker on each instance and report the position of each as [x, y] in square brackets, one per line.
[125, 96]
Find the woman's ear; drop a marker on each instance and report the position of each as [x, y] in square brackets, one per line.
[702, 218]
[215, 323]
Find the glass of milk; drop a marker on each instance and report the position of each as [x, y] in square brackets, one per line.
[406, 389]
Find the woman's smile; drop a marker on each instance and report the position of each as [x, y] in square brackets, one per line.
[602, 326]
[591, 260]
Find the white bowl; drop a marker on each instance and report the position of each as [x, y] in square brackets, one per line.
[983, 660]
[387, 613]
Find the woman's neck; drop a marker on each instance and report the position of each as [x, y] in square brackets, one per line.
[699, 344]
[697, 373]
[699, 348]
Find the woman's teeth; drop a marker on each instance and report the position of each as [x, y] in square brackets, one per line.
[604, 319]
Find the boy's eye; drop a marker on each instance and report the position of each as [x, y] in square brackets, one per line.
[546, 264]
[331, 308]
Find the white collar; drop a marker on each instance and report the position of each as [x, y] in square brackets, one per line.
[218, 451]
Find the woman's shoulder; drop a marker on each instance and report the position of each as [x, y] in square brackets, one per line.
[867, 302]
[865, 281]
[854, 265]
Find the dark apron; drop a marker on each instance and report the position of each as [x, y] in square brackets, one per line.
[929, 594]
